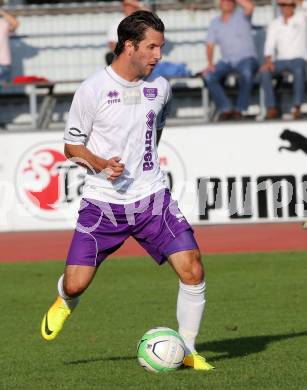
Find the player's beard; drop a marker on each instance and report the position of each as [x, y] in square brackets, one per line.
[147, 70]
[144, 72]
[141, 70]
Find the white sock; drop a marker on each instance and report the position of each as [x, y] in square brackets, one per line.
[190, 308]
[69, 301]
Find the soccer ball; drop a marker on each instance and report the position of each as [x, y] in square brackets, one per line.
[161, 349]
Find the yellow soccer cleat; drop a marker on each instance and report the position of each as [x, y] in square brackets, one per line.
[54, 320]
[197, 362]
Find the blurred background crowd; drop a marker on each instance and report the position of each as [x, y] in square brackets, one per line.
[227, 60]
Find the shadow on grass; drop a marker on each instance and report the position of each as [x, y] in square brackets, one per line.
[243, 346]
[229, 348]
[100, 359]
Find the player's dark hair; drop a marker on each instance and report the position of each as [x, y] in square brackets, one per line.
[133, 28]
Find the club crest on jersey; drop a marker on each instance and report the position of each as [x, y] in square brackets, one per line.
[150, 93]
[113, 97]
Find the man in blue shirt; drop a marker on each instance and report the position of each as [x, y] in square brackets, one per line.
[232, 32]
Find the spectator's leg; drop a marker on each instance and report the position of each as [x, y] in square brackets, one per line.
[5, 74]
[298, 70]
[246, 70]
[213, 81]
[267, 86]
[270, 99]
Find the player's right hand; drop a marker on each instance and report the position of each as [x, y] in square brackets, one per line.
[114, 168]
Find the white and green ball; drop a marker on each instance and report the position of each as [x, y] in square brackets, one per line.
[161, 349]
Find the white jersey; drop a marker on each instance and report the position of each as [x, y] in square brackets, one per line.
[114, 117]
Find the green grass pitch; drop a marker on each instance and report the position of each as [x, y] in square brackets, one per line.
[254, 331]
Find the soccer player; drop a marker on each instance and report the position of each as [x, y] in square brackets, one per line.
[115, 121]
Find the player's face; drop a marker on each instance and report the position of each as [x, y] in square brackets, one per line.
[148, 53]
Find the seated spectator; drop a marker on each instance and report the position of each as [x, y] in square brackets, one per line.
[128, 7]
[169, 69]
[286, 41]
[233, 33]
[8, 24]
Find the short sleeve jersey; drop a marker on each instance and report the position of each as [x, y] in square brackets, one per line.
[114, 117]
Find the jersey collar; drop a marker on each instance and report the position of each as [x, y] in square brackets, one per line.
[120, 80]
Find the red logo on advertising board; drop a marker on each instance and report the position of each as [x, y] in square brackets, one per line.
[41, 178]
[47, 183]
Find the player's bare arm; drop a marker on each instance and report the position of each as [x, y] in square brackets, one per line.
[112, 167]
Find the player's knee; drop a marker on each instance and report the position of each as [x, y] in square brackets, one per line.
[194, 274]
[198, 269]
[73, 288]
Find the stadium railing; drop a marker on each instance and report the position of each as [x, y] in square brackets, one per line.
[31, 90]
[41, 99]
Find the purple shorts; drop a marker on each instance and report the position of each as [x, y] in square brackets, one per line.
[155, 222]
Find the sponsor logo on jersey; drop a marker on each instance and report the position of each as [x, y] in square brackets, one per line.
[150, 93]
[113, 97]
[113, 94]
[148, 163]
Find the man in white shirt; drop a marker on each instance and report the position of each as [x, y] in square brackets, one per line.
[8, 24]
[285, 50]
[115, 121]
